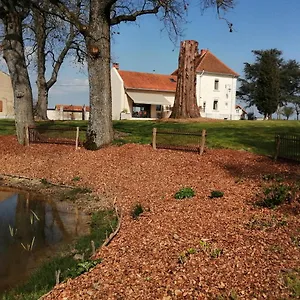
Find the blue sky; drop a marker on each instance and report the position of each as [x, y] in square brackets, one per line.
[143, 46]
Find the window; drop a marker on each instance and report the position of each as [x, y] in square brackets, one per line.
[215, 105]
[226, 104]
[1, 106]
[141, 110]
[158, 108]
[216, 86]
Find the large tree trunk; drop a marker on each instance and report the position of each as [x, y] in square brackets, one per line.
[13, 53]
[100, 131]
[185, 104]
[40, 35]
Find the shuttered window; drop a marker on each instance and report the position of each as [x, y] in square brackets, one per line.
[1, 106]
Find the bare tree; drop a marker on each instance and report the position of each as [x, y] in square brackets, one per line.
[12, 14]
[49, 35]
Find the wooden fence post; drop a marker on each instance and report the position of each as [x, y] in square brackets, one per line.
[26, 142]
[154, 131]
[202, 141]
[77, 138]
[277, 144]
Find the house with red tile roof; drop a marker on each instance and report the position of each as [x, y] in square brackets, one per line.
[141, 95]
[68, 112]
[150, 95]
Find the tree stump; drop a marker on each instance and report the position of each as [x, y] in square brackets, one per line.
[185, 104]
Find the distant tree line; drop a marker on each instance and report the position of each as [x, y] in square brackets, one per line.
[272, 84]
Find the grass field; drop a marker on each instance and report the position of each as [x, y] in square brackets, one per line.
[254, 136]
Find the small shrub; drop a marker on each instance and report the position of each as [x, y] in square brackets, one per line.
[186, 192]
[76, 178]
[82, 267]
[275, 195]
[137, 210]
[270, 177]
[216, 194]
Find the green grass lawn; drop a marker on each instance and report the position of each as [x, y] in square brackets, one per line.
[254, 136]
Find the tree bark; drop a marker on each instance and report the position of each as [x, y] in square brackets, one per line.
[13, 53]
[100, 131]
[185, 104]
[40, 36]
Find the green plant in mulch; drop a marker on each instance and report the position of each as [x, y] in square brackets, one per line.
[216, 194]
[274, 177]
[137, 210]
[76, 178]
[292, 281]
[186, 192]
[184, 255]
[275, 195]
[204, 246]
[210, 249]
[266, 222]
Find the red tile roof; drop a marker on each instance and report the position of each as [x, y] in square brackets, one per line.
[208, 62]
[148, 81]
[71, 107]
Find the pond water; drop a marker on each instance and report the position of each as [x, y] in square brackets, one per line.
[32, 230]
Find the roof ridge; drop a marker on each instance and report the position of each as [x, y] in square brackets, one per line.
[148, 73]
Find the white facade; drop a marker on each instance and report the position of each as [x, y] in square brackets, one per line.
[119, 98]
[216, 96]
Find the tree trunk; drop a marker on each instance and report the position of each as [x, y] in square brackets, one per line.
[42, 103]
[13, 53]
[185, 104]
[40, 36]
[100, 131]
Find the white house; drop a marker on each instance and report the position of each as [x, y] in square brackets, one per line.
[141, 95]
[150, 95]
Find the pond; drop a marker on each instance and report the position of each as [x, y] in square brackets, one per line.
[33, 229]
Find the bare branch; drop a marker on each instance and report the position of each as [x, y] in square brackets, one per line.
[132, 17]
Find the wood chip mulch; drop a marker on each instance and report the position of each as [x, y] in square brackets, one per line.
[197, 248]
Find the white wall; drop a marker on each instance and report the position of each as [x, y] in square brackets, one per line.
[119, 98]
[54, 114]
[225, 95]
[6, 96]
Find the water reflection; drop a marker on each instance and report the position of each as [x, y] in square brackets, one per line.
[30, 230]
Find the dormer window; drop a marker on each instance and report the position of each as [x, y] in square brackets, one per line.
[216, 85]
[172, 80]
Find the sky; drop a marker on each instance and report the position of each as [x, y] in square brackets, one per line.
[145, 47]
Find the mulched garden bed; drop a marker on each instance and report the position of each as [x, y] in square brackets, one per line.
[196, 248]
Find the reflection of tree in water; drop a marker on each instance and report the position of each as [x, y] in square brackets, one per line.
[32, 218]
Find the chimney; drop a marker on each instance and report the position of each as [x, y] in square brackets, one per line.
[116, 65]
[203, 51]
